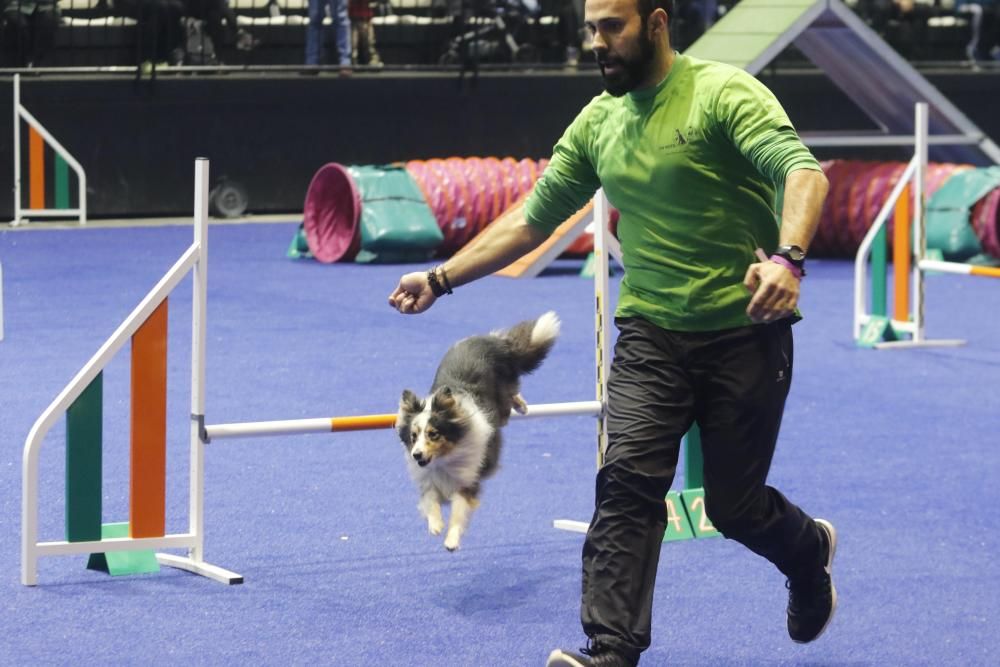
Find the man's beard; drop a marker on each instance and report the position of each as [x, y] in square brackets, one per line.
[633, 71]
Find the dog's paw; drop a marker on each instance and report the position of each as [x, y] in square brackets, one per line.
[451, 542]
[435, 526]
[520, 406]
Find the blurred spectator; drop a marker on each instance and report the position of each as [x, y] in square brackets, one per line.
[315, 32]
[212, 12]
[29, 31]
[568, 27]
[362, 33]
[689, 20]
[159, 37]
[984, 15]
[903, 23]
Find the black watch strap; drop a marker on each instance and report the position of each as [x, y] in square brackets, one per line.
[793, 253]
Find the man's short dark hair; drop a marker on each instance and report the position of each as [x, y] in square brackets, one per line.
[647, 7]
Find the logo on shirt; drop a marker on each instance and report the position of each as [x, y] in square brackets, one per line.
[679, 139]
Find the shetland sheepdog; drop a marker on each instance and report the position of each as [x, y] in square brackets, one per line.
[452, 436]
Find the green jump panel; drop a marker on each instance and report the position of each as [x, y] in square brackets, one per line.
[879, 277]
[83, 464]
[61, 173]
[694, 462]
[118, 563]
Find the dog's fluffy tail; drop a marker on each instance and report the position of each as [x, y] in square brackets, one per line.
[531, 340]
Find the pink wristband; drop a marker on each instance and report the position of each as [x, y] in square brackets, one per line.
[796, 271]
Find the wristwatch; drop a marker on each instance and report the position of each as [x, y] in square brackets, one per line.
[794, 255]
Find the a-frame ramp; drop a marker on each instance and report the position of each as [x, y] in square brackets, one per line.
[869, 71]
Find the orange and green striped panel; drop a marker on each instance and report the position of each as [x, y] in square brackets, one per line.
[84, 439]
[42, 185]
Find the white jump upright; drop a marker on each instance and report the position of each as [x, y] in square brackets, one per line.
[195, 560]
[21, 214]
[194, 258]
[604, 244]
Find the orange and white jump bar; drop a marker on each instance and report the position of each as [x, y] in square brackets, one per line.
[962, 269]
[373, 422]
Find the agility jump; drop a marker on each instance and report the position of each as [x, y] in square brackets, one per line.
[81, 401]
[873, 326]
[62, 161]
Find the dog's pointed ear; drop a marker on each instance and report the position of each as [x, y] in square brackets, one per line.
[409, 403]
[444, 399]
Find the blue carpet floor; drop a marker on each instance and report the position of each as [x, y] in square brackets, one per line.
[898, 449]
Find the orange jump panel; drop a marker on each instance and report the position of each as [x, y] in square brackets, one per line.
[147, 488]
[36, 169]
[901, 257]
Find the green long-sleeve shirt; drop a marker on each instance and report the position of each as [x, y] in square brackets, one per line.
[692, 166]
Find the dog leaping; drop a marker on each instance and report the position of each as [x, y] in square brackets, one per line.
[452, 436]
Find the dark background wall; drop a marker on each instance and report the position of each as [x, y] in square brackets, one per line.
[270, 133]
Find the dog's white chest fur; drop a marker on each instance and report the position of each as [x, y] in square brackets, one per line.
[461, 466]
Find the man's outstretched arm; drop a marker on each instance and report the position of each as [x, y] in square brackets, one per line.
[506, 240]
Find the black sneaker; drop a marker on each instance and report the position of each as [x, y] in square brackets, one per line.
[587, 658]
[813, 599]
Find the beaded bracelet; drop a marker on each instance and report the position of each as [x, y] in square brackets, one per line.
[435, 284]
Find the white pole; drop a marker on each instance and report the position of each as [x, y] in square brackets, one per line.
[199, 310]
[17, 149]
[602, 315]
[919, 249]
[864, 250]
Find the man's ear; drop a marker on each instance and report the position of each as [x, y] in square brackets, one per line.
[658, 21]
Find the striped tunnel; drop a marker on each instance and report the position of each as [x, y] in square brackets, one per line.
[84, 439]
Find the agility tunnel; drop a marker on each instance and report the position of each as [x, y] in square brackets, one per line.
[411, 212]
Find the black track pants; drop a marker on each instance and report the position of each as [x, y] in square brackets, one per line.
[734, 383]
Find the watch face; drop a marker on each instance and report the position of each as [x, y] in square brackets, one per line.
[793, 252]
